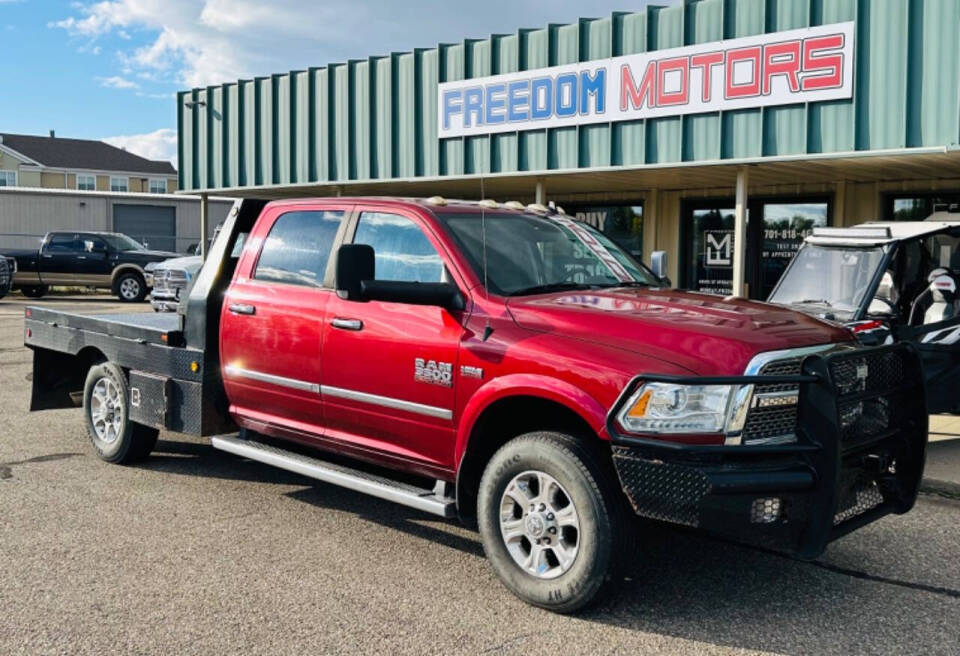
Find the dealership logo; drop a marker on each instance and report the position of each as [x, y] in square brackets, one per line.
[812, 64]
[719, 249]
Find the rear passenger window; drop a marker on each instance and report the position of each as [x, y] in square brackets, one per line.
[63, 244]
[298, 247]
[403, 252]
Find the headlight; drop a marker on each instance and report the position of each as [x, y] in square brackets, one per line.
[672, 408]
[150, 267]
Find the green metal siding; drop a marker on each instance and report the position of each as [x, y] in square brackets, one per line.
[376, 118]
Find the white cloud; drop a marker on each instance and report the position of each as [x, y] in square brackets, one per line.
[213, 41]
[157, 145]
[117, 82]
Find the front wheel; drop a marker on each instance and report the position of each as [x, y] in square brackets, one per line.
[551, 521]
[130, 287]
[106, 409]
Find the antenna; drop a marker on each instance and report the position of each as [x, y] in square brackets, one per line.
[487, 329]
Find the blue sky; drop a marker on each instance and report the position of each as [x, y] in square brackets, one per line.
[109, 69]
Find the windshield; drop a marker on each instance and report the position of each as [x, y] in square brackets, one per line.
[528, 254]
[122, 243]
[835, 278]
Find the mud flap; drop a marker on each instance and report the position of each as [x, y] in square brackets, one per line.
[939, 347]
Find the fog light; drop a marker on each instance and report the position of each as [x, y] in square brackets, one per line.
[194, 367]
[765, 511]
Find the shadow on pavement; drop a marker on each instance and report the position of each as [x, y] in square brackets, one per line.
[679, 583]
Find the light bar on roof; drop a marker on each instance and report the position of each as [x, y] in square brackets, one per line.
[867, 232]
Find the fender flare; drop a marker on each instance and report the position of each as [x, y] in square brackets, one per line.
[540, 386]
[122, 268]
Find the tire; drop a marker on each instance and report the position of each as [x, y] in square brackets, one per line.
[130, 287]
[35, 291]
[575, 476]
[115, 438]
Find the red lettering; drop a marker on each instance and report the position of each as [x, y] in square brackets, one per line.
[682, 96]
[822, 71]
[706, 61]
[637, 97]
[781, 59]
[744, 89]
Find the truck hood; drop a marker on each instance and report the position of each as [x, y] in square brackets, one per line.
[705, 334]
[191, 264]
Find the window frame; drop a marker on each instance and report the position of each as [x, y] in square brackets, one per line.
[91, 176]
[150, 182]
[327, 282]
[6, 172]
[126, 184]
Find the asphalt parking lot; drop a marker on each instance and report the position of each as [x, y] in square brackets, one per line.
[197, 551]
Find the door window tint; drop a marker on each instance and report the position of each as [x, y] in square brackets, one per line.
[403, 252]
[298, 247]
[62, 244]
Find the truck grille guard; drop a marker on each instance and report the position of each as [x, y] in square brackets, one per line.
[861, 438]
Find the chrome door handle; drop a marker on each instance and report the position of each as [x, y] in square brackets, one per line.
[347, 324]
[242, 308]
[81, 257]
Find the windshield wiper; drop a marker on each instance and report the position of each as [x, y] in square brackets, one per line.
[816, 301]
[552, 287]
[625, 283]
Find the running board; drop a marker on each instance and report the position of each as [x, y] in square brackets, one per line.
[435, 502]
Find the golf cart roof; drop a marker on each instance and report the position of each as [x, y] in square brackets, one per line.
[878, 233]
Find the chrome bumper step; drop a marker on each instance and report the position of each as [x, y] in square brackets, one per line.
[435, 501]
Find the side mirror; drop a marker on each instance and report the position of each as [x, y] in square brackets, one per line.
[355, 263]
[658, 264]
[356, 281]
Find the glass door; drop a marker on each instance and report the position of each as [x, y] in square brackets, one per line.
[785, 226]
[710, 255]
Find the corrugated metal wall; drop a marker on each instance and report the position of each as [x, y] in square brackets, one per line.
[26, 216]
[376, 118]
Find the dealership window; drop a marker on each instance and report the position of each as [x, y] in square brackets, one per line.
[621, 223]
[707, 257]
[86, 182]
[918, 206]
[8, 178]
[119, 183]
[158, 185]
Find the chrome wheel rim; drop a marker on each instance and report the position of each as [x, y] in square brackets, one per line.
[129, 288]
[106, 410]
[539, 525]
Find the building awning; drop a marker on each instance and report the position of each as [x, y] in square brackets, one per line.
[900, 165]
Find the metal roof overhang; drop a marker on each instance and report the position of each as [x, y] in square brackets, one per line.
[902, 164]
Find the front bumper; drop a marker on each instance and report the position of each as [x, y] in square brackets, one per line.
[859, 456]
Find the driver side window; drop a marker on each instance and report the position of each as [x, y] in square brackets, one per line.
[403, 252]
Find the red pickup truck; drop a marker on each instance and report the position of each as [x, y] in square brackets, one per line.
[508, 365]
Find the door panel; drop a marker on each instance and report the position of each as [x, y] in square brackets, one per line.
[59, 259]
[272, 319]
[388, 368]
[94, 265]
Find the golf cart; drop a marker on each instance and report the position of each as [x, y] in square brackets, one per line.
[887, 282]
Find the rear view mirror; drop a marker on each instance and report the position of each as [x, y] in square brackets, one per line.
[355, 263]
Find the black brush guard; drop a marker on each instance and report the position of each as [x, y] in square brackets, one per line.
[859, 454]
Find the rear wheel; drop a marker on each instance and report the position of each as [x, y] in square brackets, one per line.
[550, 520]
[35, 291]
[130, 287]
[107, 412]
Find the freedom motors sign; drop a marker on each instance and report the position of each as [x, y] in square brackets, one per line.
[797, 66]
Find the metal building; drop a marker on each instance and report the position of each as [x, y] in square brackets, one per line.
[162, 222]
[660, 173]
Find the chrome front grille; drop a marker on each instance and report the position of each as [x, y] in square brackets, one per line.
[169, 280]
[772, 417]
